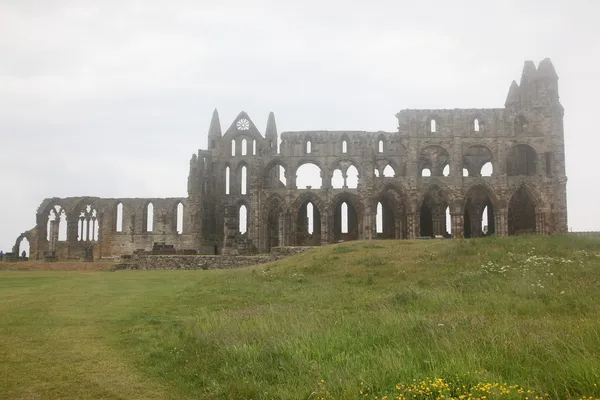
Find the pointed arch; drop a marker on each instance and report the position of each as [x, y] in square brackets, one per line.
[435, 199]
[522, 160]
[479, 207]
[522, 211]
[179, 217]
[148, 220]
[119, 217]
[347, 211]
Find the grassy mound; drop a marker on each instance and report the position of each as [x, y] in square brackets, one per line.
[496, 317]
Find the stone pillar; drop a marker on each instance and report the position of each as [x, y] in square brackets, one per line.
[412, 225]
[291, 177]
[540, 222]
[53, 235]
[457, 225]
[501, 217]
[325, 229]
[230, 231]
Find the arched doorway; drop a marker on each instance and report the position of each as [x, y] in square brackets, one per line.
[347, 221]
[521, 213]
[432, 215]
[389, 214]
[479, 217]
[273, 223]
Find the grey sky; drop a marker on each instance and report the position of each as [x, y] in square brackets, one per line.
[111, 98]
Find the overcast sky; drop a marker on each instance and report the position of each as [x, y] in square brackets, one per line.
[111, 98]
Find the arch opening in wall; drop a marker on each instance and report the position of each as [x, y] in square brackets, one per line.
[352, 177]
[23, 248]
[475, 158]
[275, 177]
[446, 170]
[487, 169]
[149, 218]
[432, 125]
[337, 179]
[233, 147]
[521, 213]
[119, 218]
[476, 126]
[465, 172]
[308, 147]
[56, 227]
[227, 180]
[254, 147]
[388, 172]
[274, 213]
[434, 158]
[380, 146]
[478, 218]
[179, 218]
[88, 226]
[243, 219]
[432, 216]
[243, 180]
[346, 218]
[448, 223]
[344, 147]
[308, 175]
[389, 206]
[308, 224]
[522, 160]
[244, 147]
[379, 219]
[426, 172]
[375, 172]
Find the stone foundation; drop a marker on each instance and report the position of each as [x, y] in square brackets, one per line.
[149, 261]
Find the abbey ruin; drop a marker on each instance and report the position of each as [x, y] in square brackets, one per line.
[444, 173]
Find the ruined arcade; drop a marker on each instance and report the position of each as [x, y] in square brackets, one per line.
[443, 173]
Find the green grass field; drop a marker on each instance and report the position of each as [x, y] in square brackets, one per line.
[385, 318]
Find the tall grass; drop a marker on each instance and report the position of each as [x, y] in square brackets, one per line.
[334, 321]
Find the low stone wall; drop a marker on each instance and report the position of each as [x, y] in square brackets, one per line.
[152, 261]
[289, 250]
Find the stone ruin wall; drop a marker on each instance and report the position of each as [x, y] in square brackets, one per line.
[524, 142]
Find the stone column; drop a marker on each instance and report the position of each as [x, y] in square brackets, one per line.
[412, 225]
[281, 230]
[501, 217]
[325, 228]
[457, 225]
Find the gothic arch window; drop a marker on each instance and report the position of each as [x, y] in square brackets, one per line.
[149, 225]
[243, 219]
[244, 180]
[243, 124]
[476, 125]
[433, 125]
[119, 218]
[56, 228]
[244, 147]
[233, 147]
[344, 147]
[179, 218]
[308, 147]
[227, 180]
[88, 227]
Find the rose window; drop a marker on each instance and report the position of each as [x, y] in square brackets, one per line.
[243, 124]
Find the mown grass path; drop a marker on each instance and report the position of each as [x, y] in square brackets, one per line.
[522, 311]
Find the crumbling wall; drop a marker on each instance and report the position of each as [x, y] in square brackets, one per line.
[431, 177]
